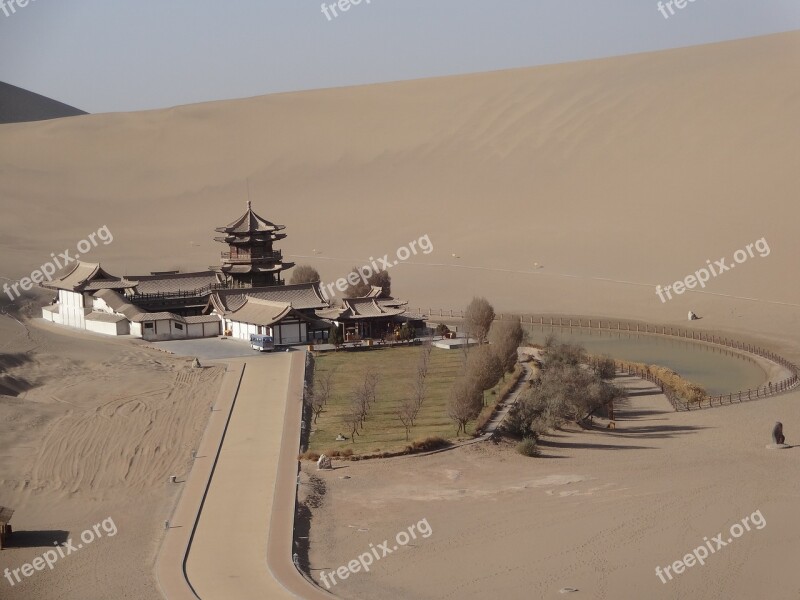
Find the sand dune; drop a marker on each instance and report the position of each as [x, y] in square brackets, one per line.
[615, 175]
[97, 434]
[635, 169]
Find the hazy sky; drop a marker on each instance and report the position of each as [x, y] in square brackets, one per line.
[116, 55]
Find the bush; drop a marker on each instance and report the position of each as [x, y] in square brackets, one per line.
[346, 453]
[310, 456]
[428, 444]
[528, 447]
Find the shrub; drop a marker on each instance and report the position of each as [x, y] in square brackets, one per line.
[428, 444]
[310, 456]
[528, 447]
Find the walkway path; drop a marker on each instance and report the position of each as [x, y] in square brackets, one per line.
[233, 534]
[501, 414]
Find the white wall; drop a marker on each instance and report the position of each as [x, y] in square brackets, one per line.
[290, 333]
[163, 330]
[198, 330]
[72, 305]
[119, 328]
[284, 333]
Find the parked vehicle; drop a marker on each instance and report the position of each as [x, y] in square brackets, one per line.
[262, 343]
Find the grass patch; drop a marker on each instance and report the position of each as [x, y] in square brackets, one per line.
[383, 432]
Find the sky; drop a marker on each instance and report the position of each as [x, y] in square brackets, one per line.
[123, 55]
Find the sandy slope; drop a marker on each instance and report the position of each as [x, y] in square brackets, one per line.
[636, 169]
[98, 436]
[633, 169]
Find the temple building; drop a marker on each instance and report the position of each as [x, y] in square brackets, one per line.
[244, 295]
[374, 316]
[286, 312]
[251, 260]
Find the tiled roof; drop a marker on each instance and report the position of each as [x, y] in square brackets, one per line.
[260, 312]
[364, 308]
[249, 222]
[243, 269]
[109, 284]
[118, 304]
[177, 282]
[201, 319]
[157, 316]
[301, 296]
[74, 279]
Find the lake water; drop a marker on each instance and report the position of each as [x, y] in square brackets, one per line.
[717, 370]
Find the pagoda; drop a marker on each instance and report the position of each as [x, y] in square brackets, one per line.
[251, 261]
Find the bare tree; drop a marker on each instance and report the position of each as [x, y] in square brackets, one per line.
[604, 366]
[321, 393]
[478, 319]
[506, 337]
[370, 386]
[418, 393]
[304, 274]
[353, 418]
[425, 358]
[363, 397]
[406, 414]
[484, 369]
[465, 403]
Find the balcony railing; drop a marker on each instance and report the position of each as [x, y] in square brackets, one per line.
[240, 257]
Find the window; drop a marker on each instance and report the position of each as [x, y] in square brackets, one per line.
[179, 326]
[148, 325]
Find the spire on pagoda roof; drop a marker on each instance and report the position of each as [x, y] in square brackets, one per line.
[250, 222]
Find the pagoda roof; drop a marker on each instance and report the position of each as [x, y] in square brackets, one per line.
[249, 238]
[250, 223]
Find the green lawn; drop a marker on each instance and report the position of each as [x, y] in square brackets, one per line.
[397, 369]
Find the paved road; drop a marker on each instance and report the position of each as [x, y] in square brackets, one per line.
[240, 545]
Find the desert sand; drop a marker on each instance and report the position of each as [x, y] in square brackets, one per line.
[613, 175]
